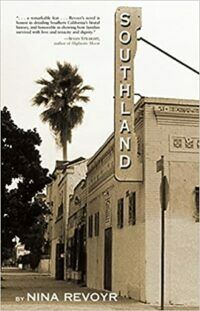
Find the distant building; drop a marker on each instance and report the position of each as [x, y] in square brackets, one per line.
[65, 177]
[20, 250]
[76, 236]
[123, 218]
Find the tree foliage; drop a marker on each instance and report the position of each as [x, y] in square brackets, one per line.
[21, 163]
[34, 239]
[59, 96]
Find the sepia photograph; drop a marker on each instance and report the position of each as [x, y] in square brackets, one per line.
[99, 155]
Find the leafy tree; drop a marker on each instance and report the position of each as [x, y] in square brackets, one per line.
[34, 239]
[21, 163]
[59, 96]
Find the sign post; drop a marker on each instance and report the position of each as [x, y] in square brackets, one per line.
[164, 201]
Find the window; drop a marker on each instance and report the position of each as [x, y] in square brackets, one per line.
[69, 253]
[96, 224]
[132, 208]
[90, 226]
[60, 210]
[197, 203]
[120, 213]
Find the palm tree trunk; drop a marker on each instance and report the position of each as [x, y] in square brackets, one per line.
[65, 151]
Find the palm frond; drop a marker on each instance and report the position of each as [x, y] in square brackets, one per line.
[59, 65]
[52, 72]
[76, 116]
[48, 114]
[84, 99]
[43, 82]
[86, 88]
[40, 99]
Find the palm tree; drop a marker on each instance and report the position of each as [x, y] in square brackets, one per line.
[59, 96]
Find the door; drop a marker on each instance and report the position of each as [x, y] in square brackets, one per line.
[60, 261]
[82, 253]
[108, 259]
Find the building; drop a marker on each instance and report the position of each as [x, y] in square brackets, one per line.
[20, 250]
[115, 245]
[66, 175]
[76, 237]
[124, 218]
[119, 223]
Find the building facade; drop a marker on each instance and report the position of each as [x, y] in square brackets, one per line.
[76, 237]
[170, 128]
[109, 232]
[115, 240]
[124, 218]
[65, 177]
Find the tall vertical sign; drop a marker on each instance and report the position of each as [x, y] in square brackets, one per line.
[127, 22]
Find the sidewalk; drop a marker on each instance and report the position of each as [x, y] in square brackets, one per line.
[17, 284]
[16, 271]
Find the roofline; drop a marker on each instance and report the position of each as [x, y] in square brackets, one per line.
[149, 100]
[101, 148]
[166, 100]
[68, 166]
[75, 163]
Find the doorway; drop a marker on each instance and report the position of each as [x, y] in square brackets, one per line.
[108, 259]
[60, 261]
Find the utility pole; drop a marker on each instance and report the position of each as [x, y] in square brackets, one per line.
[164, 201]
[162, 243]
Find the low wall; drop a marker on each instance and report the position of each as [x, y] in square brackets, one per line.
[44, 266]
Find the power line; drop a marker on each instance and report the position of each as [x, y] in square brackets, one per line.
[169, 55]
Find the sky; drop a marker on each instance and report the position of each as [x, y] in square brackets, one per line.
[171, 25]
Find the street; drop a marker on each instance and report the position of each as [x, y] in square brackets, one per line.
[20, 286]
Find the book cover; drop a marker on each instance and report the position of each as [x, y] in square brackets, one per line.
[100, 124]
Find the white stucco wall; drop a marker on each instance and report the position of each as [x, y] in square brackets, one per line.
[181, 234]
[128, 246]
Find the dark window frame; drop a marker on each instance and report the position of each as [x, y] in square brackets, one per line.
[120, 213]
[132, 209]
[90, 226]
[96, 224]
[197, 203]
